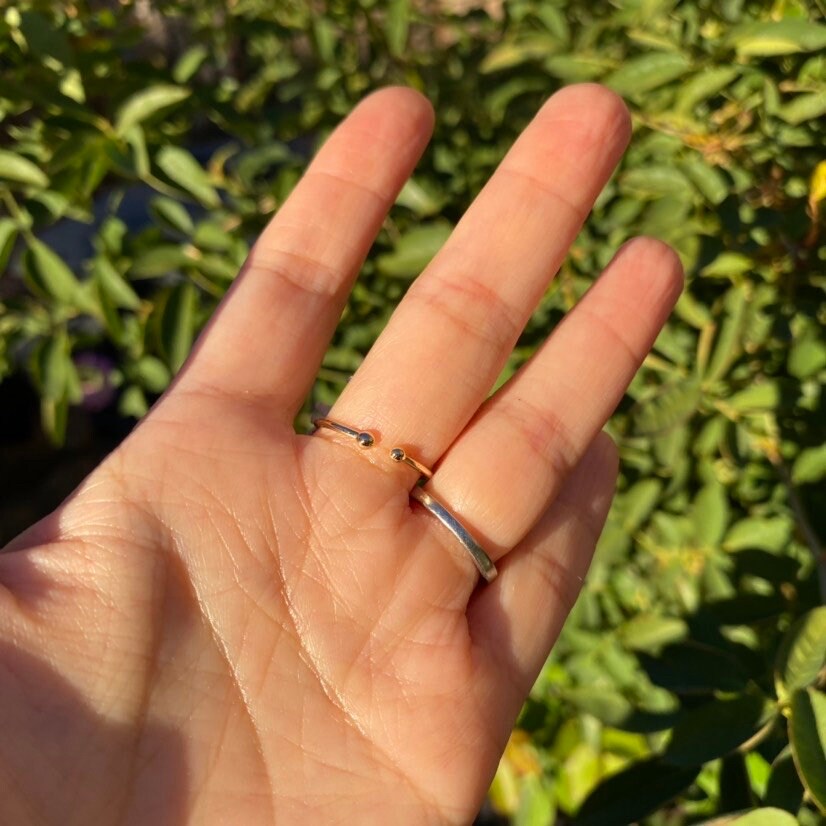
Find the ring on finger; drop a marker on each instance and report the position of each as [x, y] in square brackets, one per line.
[481, 560]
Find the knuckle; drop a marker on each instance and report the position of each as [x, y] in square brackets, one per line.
[476, 310]
[545, 433]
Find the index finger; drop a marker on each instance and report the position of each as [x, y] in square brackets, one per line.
[269, 335]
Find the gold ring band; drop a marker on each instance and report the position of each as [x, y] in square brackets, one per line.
[364, 437]
[397, 454]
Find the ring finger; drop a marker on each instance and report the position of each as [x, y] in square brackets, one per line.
[501, 474]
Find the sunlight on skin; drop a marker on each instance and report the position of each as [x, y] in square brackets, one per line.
[228, 622]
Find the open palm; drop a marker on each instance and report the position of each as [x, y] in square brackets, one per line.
[232, 623]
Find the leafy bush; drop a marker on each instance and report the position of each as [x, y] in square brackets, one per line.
[688, 683]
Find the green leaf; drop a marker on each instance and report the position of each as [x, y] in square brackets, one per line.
[762, 396]
[217, 266]
[54, 414]
[45, 40]
[766, 533]
[420, 198]
[414, 250]
[809, 466]
[8, 236]
[182, 168]
[146, 103]
[114, 284]
[603, 703]
[638, 502]
[48, 272]
[213, 235]
[189, 63]
[397, 24]
[765, 817]
[807, 732]
[715, 729]
[704, 85]
[802, 653]
[806, 358]
[16, 168]
[152, 374]
[728, 264]
[536, 805]
[650, 632]
[711, 183]
[633, 793]
[132, 402]
[158, 260]
[71, 85]
[768, 38]
[576, 69]
[728, 345]
[173, 214]
[512, 53]
[136, 139]
[178, 324]
[655, 181]
[674, 404]
[804, 107]
[710, 514]
[647, 72]
[784, 789]
[693, 668]
[52, 366]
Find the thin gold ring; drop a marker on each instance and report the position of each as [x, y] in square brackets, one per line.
[364, 437]
[398, 454]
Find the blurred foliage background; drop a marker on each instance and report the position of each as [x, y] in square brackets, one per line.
[144, 145]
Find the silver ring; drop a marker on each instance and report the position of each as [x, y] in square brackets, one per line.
[480, 559]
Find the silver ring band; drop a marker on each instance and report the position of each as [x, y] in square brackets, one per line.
[482, 561]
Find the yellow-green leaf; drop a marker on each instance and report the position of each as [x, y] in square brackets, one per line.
[414, 250]
[178, 324]
[48, 272]
[16, 168]
[674, 404]
[647, 72]
[804, 107]
[147, 102]
[768, 38]
[514, 52]
[802, 653]
[182, 168]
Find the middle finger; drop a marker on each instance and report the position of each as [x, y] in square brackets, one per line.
[445, 345]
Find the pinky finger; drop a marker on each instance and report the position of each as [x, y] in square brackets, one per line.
[515, 620]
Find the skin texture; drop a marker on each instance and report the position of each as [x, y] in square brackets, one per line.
[231, 623]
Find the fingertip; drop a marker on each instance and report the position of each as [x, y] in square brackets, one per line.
[661, 259]
[403, 101]
[595, 104]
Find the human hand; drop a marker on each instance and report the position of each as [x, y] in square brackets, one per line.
[231, 623]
